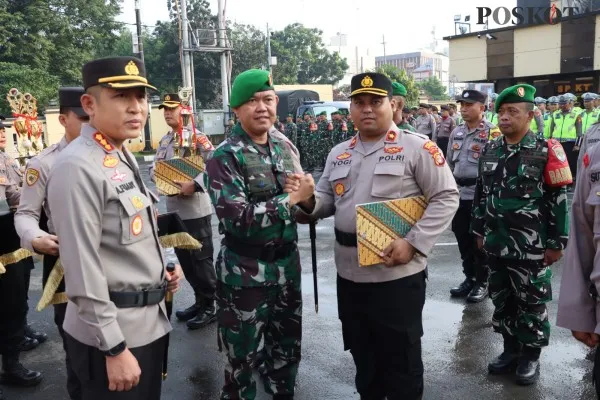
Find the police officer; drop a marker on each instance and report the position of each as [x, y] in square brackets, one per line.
[566, 128]
[104, 215]
[596, 100]
[491, 115]
[552, 104]
[444, 129]
[573, 101]
[589, 141]
[537, 123]
[590, 114]
[33, 209]
[425, 123]
[540, 103]
[464, 149]
[578, 305]
[195, 210]
[520, 217]
[13, 283]
[381, 306]
[404, 124]
[258, 268]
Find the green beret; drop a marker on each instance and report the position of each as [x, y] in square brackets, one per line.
[247, 83]
[521, 93]
[335, 113]
[398, 89]
[323, 114]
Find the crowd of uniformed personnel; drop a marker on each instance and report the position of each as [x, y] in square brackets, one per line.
[503, 170]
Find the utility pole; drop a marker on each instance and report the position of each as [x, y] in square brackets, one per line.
[138, 22]
[224, 72]
[384, 55]
[268, 48]
[187, 64]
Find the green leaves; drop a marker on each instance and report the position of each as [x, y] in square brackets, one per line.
[400, 75]
[434, 88]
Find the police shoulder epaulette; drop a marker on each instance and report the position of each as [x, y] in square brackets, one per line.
[420, 135]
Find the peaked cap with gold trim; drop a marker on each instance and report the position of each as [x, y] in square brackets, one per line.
[116, 73]
[170, 100]
[371, 83]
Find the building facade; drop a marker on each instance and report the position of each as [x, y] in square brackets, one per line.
[555, 58]
[359, 58]
[420, 65]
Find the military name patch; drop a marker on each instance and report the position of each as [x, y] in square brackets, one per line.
[595, 176]
[561, 176]
[393, 150]
[31, 176]
[339, 189]
[344, 156]
[137, 225]
[110, 161]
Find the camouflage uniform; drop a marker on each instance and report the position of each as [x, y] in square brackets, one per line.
[258, 267]
[325, 141]
[291, 131]
[520, 209]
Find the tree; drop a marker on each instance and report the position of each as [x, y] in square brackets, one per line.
[303, 59]
[434, 88]
[400, 75]
[36, 81]
[249, 48]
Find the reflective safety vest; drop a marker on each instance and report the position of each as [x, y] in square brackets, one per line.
[588, 119]
[534, 126]
[577, 110]
[547, 124]
[564, 126]
[492, 117]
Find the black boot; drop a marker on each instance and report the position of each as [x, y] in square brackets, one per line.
[463, 289]
[190, 312]
[528, 370]
[207, 316]
[508, 360]
[28, 344]
[479, 293]
[41, 337]
[14, 373]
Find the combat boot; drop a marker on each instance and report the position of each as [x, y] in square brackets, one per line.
[528, 370]
[31, 333]
[479, 293]
[207, 316]
[508, 360]
[463, 289]
[192, 311]
[14, 373]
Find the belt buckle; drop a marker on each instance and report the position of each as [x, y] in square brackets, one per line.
[144, 297]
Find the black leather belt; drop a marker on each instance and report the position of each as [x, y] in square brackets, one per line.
[264, 252]
[143, 298]
[466, 181]
[346, 239]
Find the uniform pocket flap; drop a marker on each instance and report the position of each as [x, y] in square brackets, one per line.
[339, 173]
[133, 201]
[396, 169]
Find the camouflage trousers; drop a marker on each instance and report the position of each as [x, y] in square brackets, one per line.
[259, 327]
[520, 290]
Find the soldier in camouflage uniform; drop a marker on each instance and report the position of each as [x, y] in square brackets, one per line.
[325, 141]
[291, 130]
[520, 216]
[258, 268]
[336, 122]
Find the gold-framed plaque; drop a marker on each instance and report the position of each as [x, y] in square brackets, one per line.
[168, 172]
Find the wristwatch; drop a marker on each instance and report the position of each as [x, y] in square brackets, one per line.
[115, 351]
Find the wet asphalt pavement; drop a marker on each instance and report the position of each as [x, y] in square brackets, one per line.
[457, 344]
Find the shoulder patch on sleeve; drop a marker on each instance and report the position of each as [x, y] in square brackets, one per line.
[436, 153]
[557, 172]
[31, 176]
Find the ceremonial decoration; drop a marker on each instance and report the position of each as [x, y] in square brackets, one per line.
[29, 129]
[379, 224]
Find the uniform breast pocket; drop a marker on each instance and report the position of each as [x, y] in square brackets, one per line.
[135, 223]
[387, 180]
[594, 201]
[473, 156]
[530, 177]
[339, 180]
[456, 147]
[488, 169]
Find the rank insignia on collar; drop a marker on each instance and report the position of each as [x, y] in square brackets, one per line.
[391, 136]
[110, 161]
[345, 155]
[353, 142]
[393, 150]
[31, 176]
[339, 189]
[102, 141]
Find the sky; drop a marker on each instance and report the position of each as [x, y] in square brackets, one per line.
[406, 24]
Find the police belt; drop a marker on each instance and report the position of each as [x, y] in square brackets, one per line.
[466, 181]
[264, 252]
[346, 239]
[143, 298]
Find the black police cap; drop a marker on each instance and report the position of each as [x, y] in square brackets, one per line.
[472, 96]
[71, 97]
[170, 100]
[371, 83]
[116, 73]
